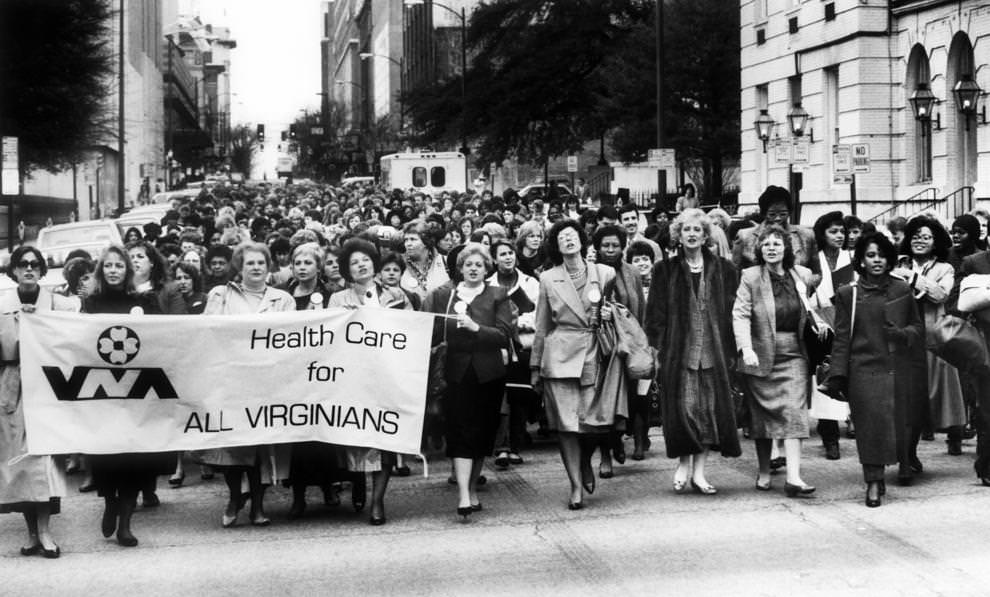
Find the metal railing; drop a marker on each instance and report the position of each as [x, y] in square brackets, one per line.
[600, 183]
[954, 205]
[914, 204]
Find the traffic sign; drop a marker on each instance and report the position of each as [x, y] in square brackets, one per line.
[663, 158]
[860, 158]
[572, 163]
[800, 150]
[781, 151]
[841, 159]
[10, 161]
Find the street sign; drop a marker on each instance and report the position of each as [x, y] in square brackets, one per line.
[800, 150]
[10, 175]
[10, 161]
[842, 172]
[316, 131]
[572, 163]
[860, 158]
[663, 158]
[781, 151]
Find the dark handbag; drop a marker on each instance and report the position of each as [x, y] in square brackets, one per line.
[957, 342]
[436, 385]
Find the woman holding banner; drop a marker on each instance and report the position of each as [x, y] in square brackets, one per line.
[262, 465]
[477, 324]
[31, 485]
[360, 263]
[312, 463]
[119, 477]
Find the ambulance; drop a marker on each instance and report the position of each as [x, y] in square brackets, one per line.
[430, 172]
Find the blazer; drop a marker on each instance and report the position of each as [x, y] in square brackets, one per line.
[754, 318]
[230, 300]
[563, 327]
[479, 351]
[389, 298]
[802, 243]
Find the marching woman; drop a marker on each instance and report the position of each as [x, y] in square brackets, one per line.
[836, 269]
[312, 463]
[768, 320]
[425, 269]
[263, 465]
[689, 322]
[523, 291]
[31, 485]
[360, 263]
[566, 351]
[879, 340]
[119, 477]
[610, 244]
[478, 323]
[931, 277]
[642, 256]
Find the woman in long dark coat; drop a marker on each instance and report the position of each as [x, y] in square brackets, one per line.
[689, 321]
[875, 363]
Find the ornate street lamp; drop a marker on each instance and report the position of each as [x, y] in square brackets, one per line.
[923, 104]
[798, 119]
[764, 124]
[966, 92]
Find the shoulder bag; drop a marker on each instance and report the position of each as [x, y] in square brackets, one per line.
[817, 343]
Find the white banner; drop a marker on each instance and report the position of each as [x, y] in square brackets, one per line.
[103, 384]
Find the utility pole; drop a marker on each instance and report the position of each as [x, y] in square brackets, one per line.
[662, 172]
[120, 115]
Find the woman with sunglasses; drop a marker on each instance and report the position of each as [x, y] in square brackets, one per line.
[31, 485]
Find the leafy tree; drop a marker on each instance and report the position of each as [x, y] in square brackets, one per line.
[528, 86]
[57, 59]
[243, 144]
[318, 142]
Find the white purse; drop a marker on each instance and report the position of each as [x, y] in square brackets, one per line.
[974, 293]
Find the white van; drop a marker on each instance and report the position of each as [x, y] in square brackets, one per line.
[430, 172]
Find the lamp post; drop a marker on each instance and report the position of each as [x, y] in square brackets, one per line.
[764, 124]
[460, 14]
[966, 92]
[797, 118]
[402, 87]
[922, 103]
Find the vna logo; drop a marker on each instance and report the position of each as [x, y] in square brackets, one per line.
[116, 346]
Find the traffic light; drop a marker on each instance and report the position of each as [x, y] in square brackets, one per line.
[261, 133]
[292, 131]
[283, 135]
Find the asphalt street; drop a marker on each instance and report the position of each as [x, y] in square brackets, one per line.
[636, 537]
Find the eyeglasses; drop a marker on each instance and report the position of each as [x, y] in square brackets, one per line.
[24, 264]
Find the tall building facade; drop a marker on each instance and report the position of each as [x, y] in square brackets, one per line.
[890, 92]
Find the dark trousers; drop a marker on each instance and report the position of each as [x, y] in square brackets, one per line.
[512, 428]
[829, 431]
[981, 420]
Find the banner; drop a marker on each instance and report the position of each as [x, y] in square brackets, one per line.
[104, 384]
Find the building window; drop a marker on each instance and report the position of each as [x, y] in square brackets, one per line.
[761, 37]
[831, 109]
[830, 11]
[760, 11]
[792, 25]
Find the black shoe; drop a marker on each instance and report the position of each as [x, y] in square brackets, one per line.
[376, 521]
[464, 511]
[359, 493]
[109, 522]
[605, 474]
[51, 554]
[482, 480]
[832, 451]
[31, 551]
[402, 471]
[151, 500]
[127, 540]
[874, 488]
[502, 460]
[575, 506]
[477, 507]
[176, 480]
[985, 481]
[777, 463]
[798, 490]
[515, 458]
[955, 447]
[87, 487]
[762, 486]
[297, 509]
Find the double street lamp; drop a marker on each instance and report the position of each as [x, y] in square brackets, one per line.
[460, 14]
[402, 86]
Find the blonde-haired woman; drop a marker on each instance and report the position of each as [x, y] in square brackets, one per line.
[689, 322]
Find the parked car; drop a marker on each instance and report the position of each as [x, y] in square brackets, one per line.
[538, 191]
[55, 242]
[139, 216]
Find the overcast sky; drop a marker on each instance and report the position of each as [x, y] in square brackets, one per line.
[275, 69]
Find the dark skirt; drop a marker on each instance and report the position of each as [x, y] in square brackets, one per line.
[116, 474]
[471, 415]
[54, 506]
[316, 464]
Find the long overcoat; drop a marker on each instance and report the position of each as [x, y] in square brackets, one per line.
[887, 388]
[668, 329]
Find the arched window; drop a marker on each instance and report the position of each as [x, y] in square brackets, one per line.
[920, 143]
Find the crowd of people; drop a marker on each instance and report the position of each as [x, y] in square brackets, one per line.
[535, 298]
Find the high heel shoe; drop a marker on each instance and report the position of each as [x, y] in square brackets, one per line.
[762, 486]
[798, 490]
[707, 489]
[464, 511]
[260, 520]
[359, 493]
[109, 523]
[377, 520]
[53, 554]
[176, 480]
[31, 551]
[477, 507]
[575, 506]
[605, 474]
[588, 478]
[873, 502]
